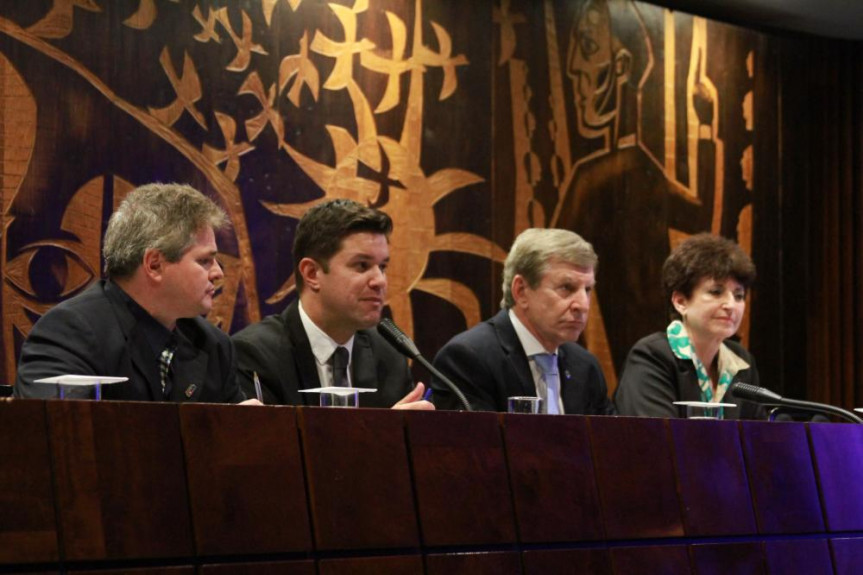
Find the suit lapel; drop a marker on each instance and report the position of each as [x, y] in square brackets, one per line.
[304, 365]
[143, 362]
[517, 363]
[189, 370]
[567, 385]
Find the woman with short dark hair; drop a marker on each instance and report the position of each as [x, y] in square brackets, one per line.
[706, 279]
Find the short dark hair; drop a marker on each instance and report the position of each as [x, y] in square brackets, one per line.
[704, 256]
[321, 230]
[165, 217]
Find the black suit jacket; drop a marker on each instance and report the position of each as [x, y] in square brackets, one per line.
[278, 349]
[95, 333]
[488, 364]
[653, 378]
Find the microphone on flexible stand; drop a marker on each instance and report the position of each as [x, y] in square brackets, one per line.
[766, 397]
[403, 344]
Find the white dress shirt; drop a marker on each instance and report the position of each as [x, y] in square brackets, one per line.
[323, 347]
[531, 347]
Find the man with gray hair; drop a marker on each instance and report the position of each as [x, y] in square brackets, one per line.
[528, 348]
[144, 322]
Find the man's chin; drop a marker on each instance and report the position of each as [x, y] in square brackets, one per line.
[370, 320]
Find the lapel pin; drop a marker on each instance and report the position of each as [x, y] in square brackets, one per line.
[190, 391]
[566, 372]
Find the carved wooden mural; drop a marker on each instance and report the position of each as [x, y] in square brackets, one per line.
[465, 121]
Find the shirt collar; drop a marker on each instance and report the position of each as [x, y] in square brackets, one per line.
[322, 344]
[529, 343]
[678, 339]
[156, 334]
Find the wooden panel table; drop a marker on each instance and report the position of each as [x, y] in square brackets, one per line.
[403, 565]
[120, 480]
[847, 555]
[635, 476]
[461, 478]
[595, 561]
[267, 568]
[552, 477]
[797, 556]
[722, 558]
[714, 489]
[359, 479]
[245, 475]
[163, 489]
[651, 560]
[495, 563]
[28, 526]
[838, 454]
[779, 466]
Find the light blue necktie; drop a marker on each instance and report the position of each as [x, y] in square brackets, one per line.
[547, 363]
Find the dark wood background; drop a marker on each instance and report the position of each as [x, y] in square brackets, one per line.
[462, 121]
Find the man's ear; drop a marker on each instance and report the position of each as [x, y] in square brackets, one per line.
[517, 288]
[154, 264]
[311, 272]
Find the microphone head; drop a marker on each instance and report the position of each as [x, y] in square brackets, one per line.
[754, 393]
[397, 338]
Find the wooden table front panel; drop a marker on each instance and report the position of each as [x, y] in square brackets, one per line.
[635, 477]
[496, 563]
[714, 489]
[798, 557]
[847, 555]
[779, 466]
[838, 453]
[651, 560]
[120, 480]
[461, 478]
[359, 480]
[552, 478]
[246, 484]
[28, 525]
[184, 570]
[728, 558]
[402, 565]
[570, 561]
[306, 567]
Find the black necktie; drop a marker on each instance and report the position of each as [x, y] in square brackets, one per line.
[340, 367]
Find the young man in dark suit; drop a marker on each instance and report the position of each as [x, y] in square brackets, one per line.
[528, 348]
[327, 337]
[144, 322]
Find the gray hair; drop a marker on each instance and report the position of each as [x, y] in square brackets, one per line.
[532, 251]
[164, 217]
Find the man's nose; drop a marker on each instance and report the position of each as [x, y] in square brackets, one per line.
[378, 278]
[581, 300]
[216, 272]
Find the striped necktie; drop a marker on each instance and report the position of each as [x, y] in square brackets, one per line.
[547, 363]
[165, 359]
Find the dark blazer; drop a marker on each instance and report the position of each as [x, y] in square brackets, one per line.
[95, 333]
[488, 364]
[653, 378]
[278, 349]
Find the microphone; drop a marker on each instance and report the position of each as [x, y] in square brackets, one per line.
[403, 344]
[765, 396]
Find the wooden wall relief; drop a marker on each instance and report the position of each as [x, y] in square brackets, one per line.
[466, 122]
